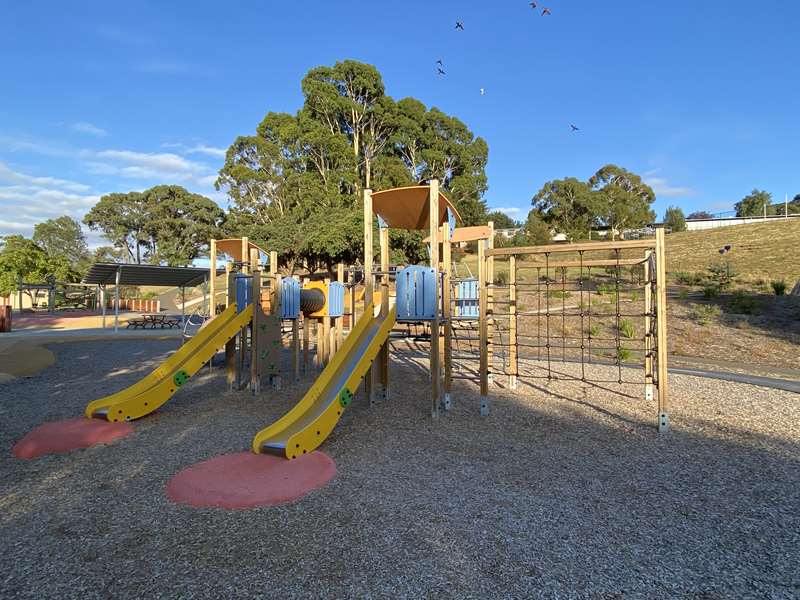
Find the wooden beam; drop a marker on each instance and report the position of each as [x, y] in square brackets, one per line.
[369, 218]
[212, 279]
[482, 326]
[433, 222]
[513, 367]
[661, 323]
[384, 353]
[605, 262]
[447, 263]
[579, 247]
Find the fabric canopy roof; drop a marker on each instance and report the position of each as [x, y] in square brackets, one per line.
[234, 247]
[408, 208]
[106, 273]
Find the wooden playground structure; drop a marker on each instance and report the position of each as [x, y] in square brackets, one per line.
[528, 310]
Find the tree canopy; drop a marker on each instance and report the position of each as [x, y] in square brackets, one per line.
[165, 224]
[700, 214]
[308, 170]
[674, 219]
[63, 236]
[22, 260]
[612, 197]
[754, 203]
[501, 220]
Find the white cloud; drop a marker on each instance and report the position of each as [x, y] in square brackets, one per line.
[207, 180]
[208, 150]
[8, 175]
[154, 162]
[86, 127]
[662, 187]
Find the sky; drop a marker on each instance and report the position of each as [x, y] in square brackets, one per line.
[701, 99]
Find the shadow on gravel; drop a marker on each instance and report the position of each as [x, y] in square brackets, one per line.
[559, 492]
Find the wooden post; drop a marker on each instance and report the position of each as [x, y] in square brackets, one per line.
[339, 320]
[482, 326]
[661, 324]
[255, 364]
[648, 322]
[513, 366]
[368, 285]
[212, 279]
[275, 303]
[447, 315]
[490, 322]
[384, 353]
[230, 346]
[433, 222]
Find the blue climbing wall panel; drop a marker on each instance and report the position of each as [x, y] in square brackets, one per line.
[416, 294]
[335, 299]
[290, 298]
[467, 299]
[244, 292]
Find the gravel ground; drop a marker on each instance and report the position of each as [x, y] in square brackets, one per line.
[566, 490]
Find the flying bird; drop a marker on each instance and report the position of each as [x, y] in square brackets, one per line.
[439, 62]
[545, 11]
[483, 92]
[573, 127]
[441, 71]
[534, 5]
[459, 25]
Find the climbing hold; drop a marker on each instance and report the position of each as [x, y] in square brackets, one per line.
[264, 354]
[180, 378]
[345, 396]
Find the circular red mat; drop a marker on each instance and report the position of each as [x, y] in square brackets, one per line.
[58, 437]
[246, 480]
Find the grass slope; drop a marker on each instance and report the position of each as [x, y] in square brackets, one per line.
[758, 250]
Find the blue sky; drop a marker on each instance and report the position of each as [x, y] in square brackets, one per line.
[702, 98]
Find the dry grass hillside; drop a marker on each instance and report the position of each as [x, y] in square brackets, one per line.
[768, 251]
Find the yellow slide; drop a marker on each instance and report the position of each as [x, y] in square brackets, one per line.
[312, 419]
[147, 394]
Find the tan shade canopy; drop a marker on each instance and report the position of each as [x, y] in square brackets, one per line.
[407, 207]
[233, 248]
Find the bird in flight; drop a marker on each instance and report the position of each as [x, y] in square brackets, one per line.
[534, 5]
[573, 127]
[545, 11]
[483, 92]
[459, 25]
[440, 70]
[440, 63]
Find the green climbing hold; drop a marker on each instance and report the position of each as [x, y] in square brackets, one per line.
[263, 327]
[264, 354]
[180, 378]
[345, 396]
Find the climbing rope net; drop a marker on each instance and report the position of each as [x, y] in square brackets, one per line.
[583, 312]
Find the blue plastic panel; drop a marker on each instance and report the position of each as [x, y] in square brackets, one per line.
[467, 299]
[290, 298]
[244, 292]
[335, 299]
[416, 294]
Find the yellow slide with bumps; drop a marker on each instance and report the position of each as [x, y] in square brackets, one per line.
[311, 420]
[149, 393]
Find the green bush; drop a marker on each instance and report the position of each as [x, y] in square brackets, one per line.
[594, 330]
[559, 294]
[702, 314]
[626, 328]
[683, 294]
[634, 295]
[742, 304]
[501, 278]
[710, 291]
[686, 278]
[722, 275]
[779, 287]
[623, 354]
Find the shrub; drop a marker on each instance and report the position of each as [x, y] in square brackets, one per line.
[686, 278]
[779, 287]
[623, 354]
[501, 278]
[559, 294]
[627, 329]
[710, 291]
[683, 294]
[744, 305]
[594, 330]
[634, 295]
[722, 274]
[702, 314]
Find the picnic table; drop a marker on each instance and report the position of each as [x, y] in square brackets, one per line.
[154, 320]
